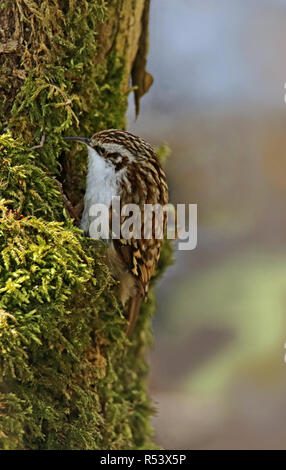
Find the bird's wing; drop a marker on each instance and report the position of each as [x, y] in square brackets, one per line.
[139, 257]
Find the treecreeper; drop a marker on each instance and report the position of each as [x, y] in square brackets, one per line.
[123, 165]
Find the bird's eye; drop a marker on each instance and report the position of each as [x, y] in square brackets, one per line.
[100, 150]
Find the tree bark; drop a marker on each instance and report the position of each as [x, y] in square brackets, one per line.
[69, 378]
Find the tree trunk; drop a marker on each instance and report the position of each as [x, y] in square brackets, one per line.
[70, 379]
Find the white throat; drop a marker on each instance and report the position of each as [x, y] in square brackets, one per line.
[102, 183]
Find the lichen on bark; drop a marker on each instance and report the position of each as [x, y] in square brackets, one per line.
[69, 378]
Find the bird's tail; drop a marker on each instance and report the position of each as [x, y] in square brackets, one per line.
[133, 310]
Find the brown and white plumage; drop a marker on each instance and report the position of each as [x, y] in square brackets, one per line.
[122, 164]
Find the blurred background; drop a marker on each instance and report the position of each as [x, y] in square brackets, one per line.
[218, 376]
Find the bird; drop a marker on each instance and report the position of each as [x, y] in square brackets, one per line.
[121, 164]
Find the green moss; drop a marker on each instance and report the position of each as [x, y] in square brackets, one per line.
[69, 379]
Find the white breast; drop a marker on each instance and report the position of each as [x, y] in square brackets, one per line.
[101, 185]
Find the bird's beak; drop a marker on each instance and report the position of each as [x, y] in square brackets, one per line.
[83, 140]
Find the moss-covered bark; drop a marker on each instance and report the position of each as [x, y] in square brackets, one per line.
[69, 377]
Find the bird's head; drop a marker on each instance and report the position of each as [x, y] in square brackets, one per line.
[118, 147]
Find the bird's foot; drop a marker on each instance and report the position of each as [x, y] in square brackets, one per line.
[73, 212]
